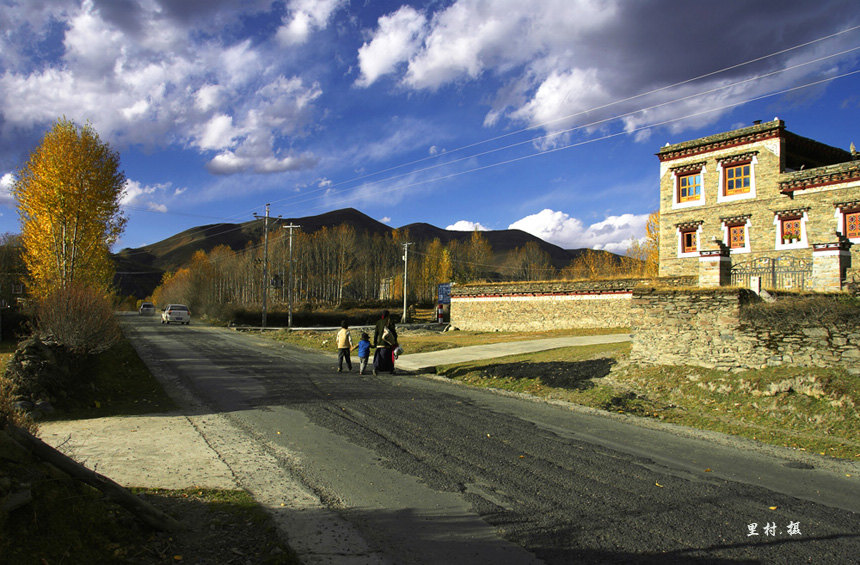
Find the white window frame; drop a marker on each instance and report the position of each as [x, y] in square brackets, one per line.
[746, 247]
[778, 243]
[721, 197]
[840, 223]
[680, 249]
[676, 204]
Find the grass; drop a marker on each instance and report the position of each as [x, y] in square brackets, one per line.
[121, 385]
[69, 522]
[812, 410]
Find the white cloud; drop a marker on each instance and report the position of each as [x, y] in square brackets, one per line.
[229, 162]
[466, 225]
[6, 183]
[305, 16]
[612, 234]
[150, 79]
[136, 194]
[217, 133]
[561, 63]
[385, 220]
[397, 38]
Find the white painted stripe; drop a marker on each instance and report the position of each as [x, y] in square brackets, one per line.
[544, 298]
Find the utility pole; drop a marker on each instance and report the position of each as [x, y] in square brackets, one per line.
[290, 227]
[405, 261]
[265, 261]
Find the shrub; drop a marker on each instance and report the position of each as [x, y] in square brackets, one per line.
[9, 414]
[42, 370]
[78, 317]
[801, 311]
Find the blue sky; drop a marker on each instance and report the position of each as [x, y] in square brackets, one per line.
[541, 115]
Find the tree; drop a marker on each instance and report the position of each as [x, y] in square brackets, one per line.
[478, 253]
[648, 250]
[68, 201]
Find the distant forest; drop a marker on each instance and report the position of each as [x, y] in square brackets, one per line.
[339, 266]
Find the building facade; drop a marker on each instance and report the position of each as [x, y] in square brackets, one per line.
[760, 206]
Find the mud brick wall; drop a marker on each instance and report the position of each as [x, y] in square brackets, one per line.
[703, 327]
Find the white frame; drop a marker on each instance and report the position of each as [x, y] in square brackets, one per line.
[746, 247]
[676, 204]
[778, 243]
[721, 186]
[680, 248]
[840, 223]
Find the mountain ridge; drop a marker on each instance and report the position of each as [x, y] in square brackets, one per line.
[139, 270]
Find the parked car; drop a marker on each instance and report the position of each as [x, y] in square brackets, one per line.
[147, 309]
[176, 313]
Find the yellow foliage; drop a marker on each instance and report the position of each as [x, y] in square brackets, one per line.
[68, 201]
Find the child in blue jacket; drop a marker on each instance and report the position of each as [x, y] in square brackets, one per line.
[363, 352]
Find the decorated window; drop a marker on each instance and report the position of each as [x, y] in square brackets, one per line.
[790, 229]
[737, 236]
[852, 224]
[736, 179]
[690, 187]
[689, 240]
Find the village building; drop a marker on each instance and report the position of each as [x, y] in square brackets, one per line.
[760, 207]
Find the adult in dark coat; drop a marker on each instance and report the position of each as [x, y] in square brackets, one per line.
[385, 341]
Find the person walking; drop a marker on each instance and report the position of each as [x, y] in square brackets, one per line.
[385, 341]
[344, 346]
[363, 352]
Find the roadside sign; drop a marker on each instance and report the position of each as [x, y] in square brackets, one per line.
[445, 293]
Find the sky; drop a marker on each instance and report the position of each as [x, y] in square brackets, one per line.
[491, 114]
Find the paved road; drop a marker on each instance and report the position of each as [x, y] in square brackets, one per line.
[421, 471]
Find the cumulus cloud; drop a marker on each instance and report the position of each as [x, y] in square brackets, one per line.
[305, 16]
[153, 80]
[6, 182]
[139, 195]
[611, 234]
[566, 63]
[398, 37]
[466, 225]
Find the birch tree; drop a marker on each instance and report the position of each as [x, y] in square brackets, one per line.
[68, 196]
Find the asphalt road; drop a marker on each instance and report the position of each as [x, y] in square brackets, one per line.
[429, 472]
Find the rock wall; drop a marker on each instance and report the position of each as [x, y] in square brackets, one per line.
[704, 327]
[530, 306]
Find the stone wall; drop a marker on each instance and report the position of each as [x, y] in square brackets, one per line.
[704, 327]
[530, 306]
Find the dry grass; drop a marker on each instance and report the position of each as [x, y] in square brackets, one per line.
[812, 410]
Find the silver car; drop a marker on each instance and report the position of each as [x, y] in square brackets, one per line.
[147, 309]
[176, 313]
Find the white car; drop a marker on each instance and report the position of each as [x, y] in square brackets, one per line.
[176, 313]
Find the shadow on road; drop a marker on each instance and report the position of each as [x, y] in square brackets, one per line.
[571, 375]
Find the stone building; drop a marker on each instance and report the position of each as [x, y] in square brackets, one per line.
[760, 206]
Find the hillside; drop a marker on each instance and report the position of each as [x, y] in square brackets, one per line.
[140, 270]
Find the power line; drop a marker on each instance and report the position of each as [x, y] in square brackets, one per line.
[592, 124]
[591, 110]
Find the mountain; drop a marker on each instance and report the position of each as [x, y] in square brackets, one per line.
[140, 270]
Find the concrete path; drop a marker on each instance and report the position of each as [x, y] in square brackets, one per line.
[427, 362]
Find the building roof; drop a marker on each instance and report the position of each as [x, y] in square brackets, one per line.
[723, 140]
[798, 152]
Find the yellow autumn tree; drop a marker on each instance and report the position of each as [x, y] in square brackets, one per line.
[68, 196]
[648, 251]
